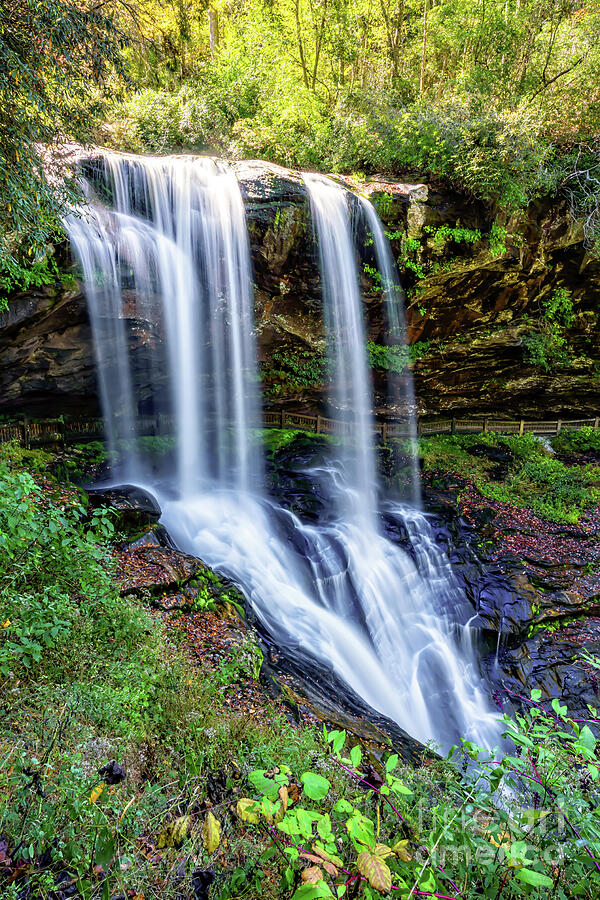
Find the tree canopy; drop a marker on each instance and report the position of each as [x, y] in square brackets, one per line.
[498, 97]
[53, 56]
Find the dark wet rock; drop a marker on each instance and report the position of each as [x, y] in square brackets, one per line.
[297, 476]
[152, 569]
[134, 506]
[112, 772]
[155, 536]
[552, 661]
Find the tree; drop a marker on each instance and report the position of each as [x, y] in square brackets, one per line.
[54, 57]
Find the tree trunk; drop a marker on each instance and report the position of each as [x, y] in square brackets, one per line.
[424, 52]
[213, 31]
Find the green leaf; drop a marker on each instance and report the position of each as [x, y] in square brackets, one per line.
[356, 756]
[537, 879]
[315, 786]
[311, 891]
[105, 848]
[391, 762]
[587, 739]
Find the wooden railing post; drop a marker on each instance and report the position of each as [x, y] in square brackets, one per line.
[282, 419]
[596, 423]
[522, 426]
[485, 426]
[452, 426]
[558, 426]
[318, 424]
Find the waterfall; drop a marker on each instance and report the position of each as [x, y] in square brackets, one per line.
[168, 236]
[400, 386]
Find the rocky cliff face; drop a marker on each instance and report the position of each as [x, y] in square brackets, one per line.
[472, 305]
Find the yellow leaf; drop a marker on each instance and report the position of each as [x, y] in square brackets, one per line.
[6, 623]
[375, 871]
[312, 875]
[174, 834]
[401, 852]
[247, 811]
[330, 868]
[181, 829]
[383, 851]
[323, 854]
[97, 791]
[504, 839]
[211, 833]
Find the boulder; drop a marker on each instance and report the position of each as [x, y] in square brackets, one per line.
[135, 507]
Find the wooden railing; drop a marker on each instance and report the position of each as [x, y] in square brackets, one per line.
[58, 431]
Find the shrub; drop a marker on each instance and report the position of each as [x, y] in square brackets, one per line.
[585, 440]
[517, 822]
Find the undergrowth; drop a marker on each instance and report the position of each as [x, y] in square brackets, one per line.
[533, 478]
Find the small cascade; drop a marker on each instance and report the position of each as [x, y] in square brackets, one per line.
[400, 386]
[347, 344]
[164, 250]
[175, 234]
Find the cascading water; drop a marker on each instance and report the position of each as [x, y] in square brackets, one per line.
[172, 235]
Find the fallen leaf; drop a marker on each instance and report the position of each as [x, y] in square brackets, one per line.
[97, 791]
[211, 833]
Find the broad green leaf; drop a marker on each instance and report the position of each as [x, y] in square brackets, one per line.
[315, 786]
[537, 879]
[587, 739]
[356, 756]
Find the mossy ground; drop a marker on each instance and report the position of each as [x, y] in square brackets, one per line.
[558, 490]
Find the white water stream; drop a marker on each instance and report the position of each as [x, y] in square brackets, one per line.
[171, 238]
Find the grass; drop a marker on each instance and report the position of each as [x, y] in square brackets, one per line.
[535, 479]
[89, 676]
[98, 678]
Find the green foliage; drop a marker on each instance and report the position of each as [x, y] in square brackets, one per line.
[548, 347]
[52, 55]
[49, 560]
[585, 440]
[550, 488]
[395, 358]
[497, 240]
[427, 830]
[88, 677]
[559, 307]
[14, 276]
[294, 370]
[444, 234]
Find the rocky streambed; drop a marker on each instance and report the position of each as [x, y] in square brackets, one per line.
[532, 591]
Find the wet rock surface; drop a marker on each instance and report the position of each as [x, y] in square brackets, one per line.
[134, 507]
[475, 309]
[535, 590]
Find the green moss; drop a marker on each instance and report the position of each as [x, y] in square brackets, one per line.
[535, 479]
